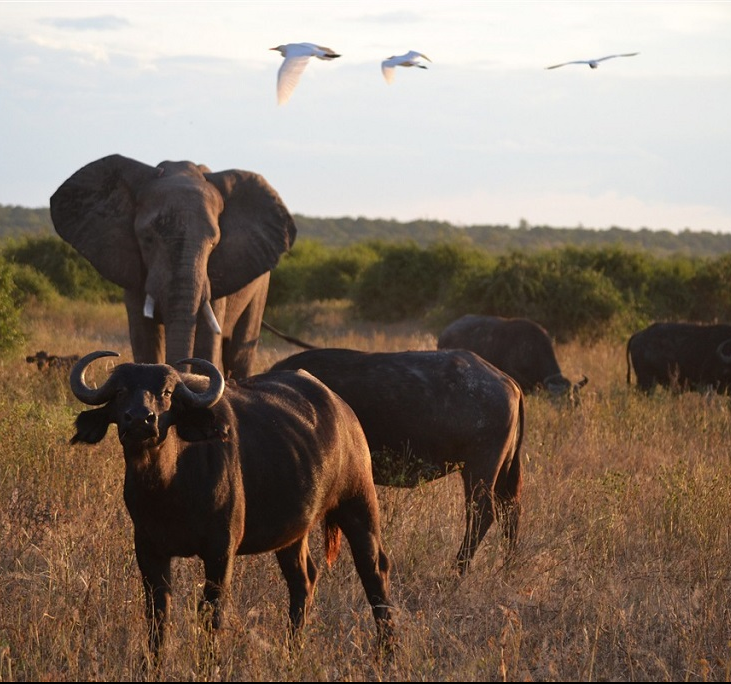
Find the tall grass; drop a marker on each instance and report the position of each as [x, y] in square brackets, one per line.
[622, 571]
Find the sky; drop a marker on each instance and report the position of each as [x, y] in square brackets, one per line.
[485, 135]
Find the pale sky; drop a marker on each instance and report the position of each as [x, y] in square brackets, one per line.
[485, 135]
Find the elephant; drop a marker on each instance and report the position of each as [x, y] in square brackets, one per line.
[192, 249]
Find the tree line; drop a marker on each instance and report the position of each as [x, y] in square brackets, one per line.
[17, 221]
[585, 293]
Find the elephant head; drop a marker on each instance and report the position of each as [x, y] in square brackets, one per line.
[191, 248]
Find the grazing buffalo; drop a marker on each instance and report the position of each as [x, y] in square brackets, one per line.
[44, 360]
[428, 413]
[215, 471]
[681, 356]
[518, 346]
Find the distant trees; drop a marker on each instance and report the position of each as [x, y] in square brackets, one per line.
[495, 238]
[575, 292]
[16, 221]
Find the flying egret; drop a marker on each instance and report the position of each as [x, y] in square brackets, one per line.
[593, 63]
[410, 59]
[296, 56]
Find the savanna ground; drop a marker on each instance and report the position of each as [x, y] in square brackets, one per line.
[622, 571]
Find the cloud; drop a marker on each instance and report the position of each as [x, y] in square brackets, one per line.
[102, 22]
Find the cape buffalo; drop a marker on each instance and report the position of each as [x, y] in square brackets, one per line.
[426, 414]
[214, 471]
[518, 346]
[682, 356]
[44, 360]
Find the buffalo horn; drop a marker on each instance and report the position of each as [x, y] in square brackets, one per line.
[726, 358]
[215, 388]
[581, 383]
[82, 391]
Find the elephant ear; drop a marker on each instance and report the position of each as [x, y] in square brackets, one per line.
[256, 229]
[94, 211]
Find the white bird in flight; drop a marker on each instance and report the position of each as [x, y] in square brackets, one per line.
[593, 63]
[296, 56]
[410, 59]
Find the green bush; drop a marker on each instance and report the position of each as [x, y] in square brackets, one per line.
[32, 284]
[407, 281]
[10, 333]
[574, 292]
[313, 272]
[70, 273]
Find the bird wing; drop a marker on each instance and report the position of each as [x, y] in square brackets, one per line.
[579, 61]
[388, 69]
[626, 54]
[319, 51]
[289, 75]
[413, 54]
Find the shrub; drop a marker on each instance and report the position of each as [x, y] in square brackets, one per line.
[407, 281]
[71, 274]
[10, 334]
[312, 272]
[32, 284]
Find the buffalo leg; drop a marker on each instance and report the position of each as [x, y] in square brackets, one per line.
[508, 489]
[218, 582]
[300, 573]
[479, 516]
[359, 522]
[156, 579]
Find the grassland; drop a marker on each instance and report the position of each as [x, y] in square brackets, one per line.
[622, 573]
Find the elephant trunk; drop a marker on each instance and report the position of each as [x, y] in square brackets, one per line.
[181, 317]
[183, 337]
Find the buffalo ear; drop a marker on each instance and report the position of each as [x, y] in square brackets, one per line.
[256, 229]
[91, 426]
[201, 424]
[94, 211]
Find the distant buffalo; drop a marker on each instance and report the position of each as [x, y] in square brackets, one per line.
[681, 356]
[517, 346]
[44, 360]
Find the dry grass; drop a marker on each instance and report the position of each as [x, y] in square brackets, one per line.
[623, 569]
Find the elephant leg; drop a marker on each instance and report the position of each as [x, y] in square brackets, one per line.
[147, 335]
[244, 311]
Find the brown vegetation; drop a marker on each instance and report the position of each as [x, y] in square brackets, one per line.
[623, 570]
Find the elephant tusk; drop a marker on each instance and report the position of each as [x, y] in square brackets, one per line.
[211, 317]
[149, 310]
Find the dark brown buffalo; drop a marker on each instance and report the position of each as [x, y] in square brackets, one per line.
[681, 356]
[518, 346]
[215, 471]
[44, 360]
[429, 413]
